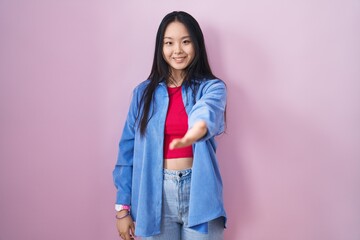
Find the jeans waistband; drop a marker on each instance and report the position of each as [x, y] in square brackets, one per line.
[177, 174]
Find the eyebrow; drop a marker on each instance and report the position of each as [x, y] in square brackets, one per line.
[181, 38]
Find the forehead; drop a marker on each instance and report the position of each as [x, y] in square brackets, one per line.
[176, 30]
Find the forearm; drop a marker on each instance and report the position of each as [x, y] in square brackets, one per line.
[196, 132]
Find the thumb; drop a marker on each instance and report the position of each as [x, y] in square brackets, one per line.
[132, 229]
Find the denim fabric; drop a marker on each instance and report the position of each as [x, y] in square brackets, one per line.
[138, 173]
[175, 209]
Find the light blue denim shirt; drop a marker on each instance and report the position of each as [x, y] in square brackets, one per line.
[138, 174]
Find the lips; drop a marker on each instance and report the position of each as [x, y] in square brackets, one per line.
[179, 59]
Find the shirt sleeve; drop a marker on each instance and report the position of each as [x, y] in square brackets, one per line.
[122, 174]
[210, 108]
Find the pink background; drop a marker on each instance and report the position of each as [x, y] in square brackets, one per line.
[290, 158]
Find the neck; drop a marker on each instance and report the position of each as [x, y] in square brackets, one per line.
[176, 78]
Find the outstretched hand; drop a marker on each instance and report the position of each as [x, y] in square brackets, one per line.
[192, 135]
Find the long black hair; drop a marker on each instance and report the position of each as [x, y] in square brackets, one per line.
[198, 70]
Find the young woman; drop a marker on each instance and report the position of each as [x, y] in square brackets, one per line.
[167, 175]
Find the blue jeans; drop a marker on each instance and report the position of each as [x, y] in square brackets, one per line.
[175, 209]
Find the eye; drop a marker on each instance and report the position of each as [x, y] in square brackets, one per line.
[186, 42]
[167, 43]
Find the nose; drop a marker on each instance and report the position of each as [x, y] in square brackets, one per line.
[177, 49]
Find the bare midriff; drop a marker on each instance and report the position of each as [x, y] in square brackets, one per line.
[178, 163]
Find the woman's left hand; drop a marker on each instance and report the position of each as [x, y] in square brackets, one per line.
[192, 135]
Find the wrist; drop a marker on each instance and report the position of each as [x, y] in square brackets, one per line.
[122, 214]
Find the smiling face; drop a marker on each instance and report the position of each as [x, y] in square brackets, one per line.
[178, 49]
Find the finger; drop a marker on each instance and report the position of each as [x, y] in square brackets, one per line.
[127, 236]
[132, 230]
[124, 236]
[178, 143]
[174, 143]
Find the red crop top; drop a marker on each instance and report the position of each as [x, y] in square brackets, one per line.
[176, 125]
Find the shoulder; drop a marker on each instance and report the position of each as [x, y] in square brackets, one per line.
[141, 86]
[211, 85]
[210, 82]
[138, 91]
